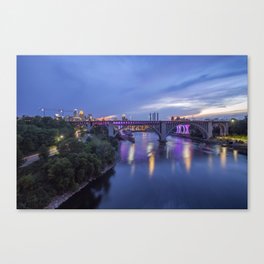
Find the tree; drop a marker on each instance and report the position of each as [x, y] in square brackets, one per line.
[43, 152]
[20, 160]
[32, 132]
[69, 146]
[61, 175]
[26, 182]
[238, 127]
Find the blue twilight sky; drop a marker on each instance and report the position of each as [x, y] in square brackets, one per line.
[194, 86]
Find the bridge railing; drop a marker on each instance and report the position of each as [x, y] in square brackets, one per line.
[144, 122]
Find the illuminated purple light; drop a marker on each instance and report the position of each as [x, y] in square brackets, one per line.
[183, 129]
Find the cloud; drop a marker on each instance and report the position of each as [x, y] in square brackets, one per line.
[203, 79]
[103, 85]
[167, 103]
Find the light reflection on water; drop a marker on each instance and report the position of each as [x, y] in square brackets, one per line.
[175, 175]
[131, 154]
[151, 164]
[210, 161]
[187, 155]
[223, 156]
[235, 154]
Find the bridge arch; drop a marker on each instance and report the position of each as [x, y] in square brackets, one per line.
[153, 128]
[222, 127]
[199, 127]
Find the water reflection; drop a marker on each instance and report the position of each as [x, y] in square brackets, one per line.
[173, 166]
[223, 157]
[133, 168]
[149, 149]
[210, 161]
[168, 150]
[217, 149]
[187, 156]
[131, 154]
[235, 152]
[151, 164]
[123, 151]
[148, 159]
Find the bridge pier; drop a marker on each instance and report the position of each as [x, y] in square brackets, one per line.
[111, 131]
[163, 133]
[210, 130]
[222, 131]
[226, 129]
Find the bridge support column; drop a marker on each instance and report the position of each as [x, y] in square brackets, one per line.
[210, 130]
[163, 133]
[226, 129]
[110, 129]
[221, 131]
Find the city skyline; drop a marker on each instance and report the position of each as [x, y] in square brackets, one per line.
[190, 86]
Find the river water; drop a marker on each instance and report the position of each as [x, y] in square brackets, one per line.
[179, 175]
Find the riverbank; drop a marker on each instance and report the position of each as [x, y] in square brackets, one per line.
[240, 147]
[60, 199]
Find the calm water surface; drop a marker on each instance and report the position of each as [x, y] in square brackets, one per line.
[181, 174]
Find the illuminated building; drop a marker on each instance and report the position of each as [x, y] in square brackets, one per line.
[58, 116]
[90, 117]
[124, 117]
[81, 114]
[154, 116]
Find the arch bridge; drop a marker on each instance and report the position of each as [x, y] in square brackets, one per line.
[161, 128]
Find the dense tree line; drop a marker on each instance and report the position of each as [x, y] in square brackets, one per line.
[238, 127]
[76, 162]
[36, 132]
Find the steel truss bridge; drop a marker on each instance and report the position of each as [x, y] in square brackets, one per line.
[161, 128]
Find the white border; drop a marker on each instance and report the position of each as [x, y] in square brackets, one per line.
[131, 27]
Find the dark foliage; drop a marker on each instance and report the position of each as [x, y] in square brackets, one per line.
[238, 127]
[33, 132]
[76, 163]
[43, 152]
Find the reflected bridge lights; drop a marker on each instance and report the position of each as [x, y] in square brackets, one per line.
[131, 159]
[235, 152]
[151, 164]
[150, 148]
[187, 157]
[131, 154]
[183, 129]
[223, 154]
[151, 158]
